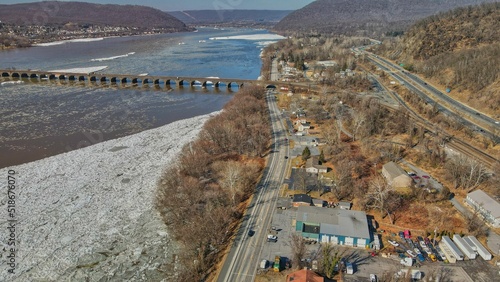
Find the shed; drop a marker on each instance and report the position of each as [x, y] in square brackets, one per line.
[396, 176]
[318, 203]
[345, 205]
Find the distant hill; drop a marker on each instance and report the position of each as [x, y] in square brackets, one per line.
[59, 12]
[458, 49]
[251, 17]
[364, 17]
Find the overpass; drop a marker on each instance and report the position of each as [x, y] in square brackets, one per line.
[134, 79]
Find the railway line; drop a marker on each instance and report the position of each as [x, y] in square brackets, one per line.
[451, 142]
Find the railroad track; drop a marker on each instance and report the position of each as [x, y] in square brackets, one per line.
[453, 143]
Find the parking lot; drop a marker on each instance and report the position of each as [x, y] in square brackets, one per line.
[364, 263]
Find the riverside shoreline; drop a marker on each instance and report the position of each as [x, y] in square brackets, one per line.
[89, 213]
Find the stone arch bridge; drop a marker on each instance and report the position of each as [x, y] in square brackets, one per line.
[124, 79]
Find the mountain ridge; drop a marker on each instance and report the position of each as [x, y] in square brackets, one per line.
[59, 13]
[363, 17]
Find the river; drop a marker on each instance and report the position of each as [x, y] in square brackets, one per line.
[43, 119]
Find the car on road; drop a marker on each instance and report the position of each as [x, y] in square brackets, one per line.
[286, 157]
[394, 243]
[251, 233]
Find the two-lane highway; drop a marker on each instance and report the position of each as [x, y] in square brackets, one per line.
[242, 261]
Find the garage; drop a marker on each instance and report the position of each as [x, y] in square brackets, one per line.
[349, 241]
[324, 238]
[361, 243]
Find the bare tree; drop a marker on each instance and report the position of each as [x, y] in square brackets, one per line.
[382, 197]
[298, 250]
[466, 173]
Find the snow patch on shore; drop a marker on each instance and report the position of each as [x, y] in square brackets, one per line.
[250, 37]
[79, 40]
[88, 214]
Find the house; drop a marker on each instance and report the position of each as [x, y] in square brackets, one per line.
[304, 275]
[488, 207]
[335, 226]
[396, 176]
[301, 200]
[303, 126]
[313, 166]
[345, 205]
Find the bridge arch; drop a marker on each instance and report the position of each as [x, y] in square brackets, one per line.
[181, 82]
[146, 80]
[44, 76]
[62, 77]
[33, 75]
[135, 80]
[124, 80]
[114, 80]
[24, 75]
[52, 76]
[196, 83]
[156, 81]
[5, 74]
[81, 78]
[270, 86]
[15, 75]
[233, 84]
[93, 78]
[71, 77]
[103, 79]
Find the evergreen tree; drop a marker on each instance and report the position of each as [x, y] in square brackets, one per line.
[306, 154]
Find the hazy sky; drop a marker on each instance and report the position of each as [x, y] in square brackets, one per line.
[175, 5]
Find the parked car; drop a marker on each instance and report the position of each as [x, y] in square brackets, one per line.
[373, 278]
[272, 238]
[401, 234]
[427, 241]
[394, 243]
[411, 253]
[251, 233]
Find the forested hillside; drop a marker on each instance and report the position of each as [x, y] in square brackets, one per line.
[363, 17]
[459, 49]
[55, 12]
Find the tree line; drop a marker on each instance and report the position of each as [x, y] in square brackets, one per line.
[201, 197]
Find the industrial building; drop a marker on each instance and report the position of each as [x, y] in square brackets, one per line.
[488, 207]
[336, 226]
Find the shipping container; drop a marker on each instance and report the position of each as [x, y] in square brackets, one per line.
[481, 250]
[455, 251]
[464, 247]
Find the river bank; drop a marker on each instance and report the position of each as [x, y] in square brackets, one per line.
[88, 214]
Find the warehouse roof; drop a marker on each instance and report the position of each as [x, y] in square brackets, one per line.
[339, 222]
[487, 202]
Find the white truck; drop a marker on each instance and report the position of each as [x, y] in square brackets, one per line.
[349, 267]
[407, 261]
[263, 264]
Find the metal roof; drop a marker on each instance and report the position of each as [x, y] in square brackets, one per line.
[338, 222]
[394, 170]
[487, 202]
[302, 198]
